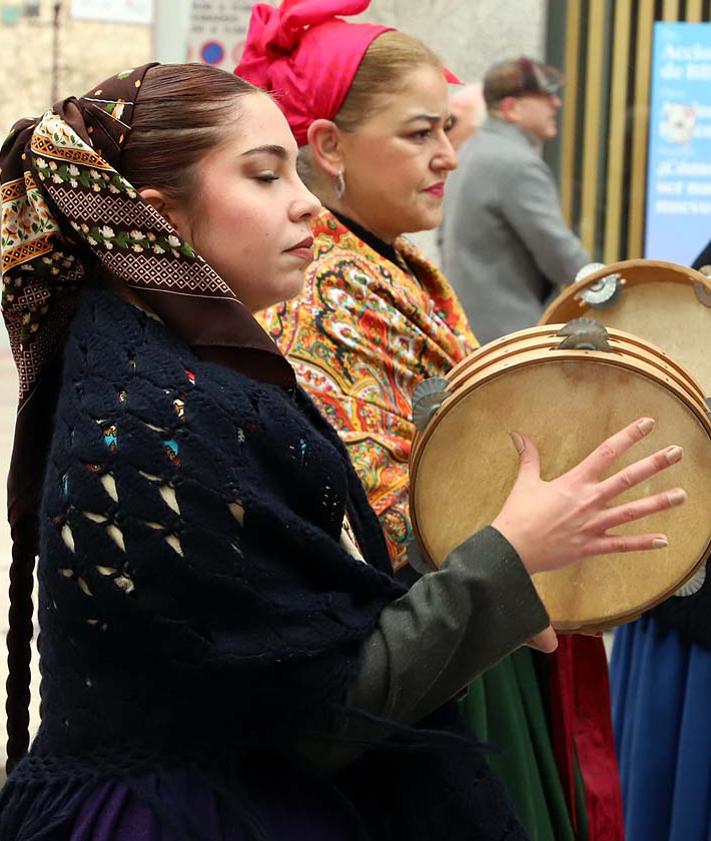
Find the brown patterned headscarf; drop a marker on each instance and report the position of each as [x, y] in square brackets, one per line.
[69, 214]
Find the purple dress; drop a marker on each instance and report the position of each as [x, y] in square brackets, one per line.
[115, 811]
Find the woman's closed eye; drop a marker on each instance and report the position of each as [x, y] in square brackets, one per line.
[267, 177]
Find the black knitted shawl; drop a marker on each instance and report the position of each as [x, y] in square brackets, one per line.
[196, 602]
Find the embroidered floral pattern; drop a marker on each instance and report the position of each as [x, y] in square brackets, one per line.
[364, 332]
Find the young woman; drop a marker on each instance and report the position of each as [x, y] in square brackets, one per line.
[368, 107]
[225, 652]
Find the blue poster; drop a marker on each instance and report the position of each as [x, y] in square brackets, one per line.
[679, 169]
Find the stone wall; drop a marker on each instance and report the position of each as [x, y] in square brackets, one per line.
[468, 34]
[88, 53]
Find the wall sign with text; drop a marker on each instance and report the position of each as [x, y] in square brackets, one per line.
[678, 221]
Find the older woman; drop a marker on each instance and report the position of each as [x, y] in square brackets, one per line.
[368, 107]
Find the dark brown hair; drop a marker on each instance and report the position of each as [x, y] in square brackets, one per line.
[179, 117]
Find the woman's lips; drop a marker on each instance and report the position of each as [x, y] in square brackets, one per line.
[304, 250]
[436, 189]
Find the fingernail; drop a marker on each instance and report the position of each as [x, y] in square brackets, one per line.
[660, 542]
[517, 442]
[646, 425]
[674, 454]
[676, 497]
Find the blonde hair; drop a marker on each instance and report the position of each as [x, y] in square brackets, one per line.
[381, 74]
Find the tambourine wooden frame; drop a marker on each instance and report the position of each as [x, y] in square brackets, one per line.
[541, 339]
[567, 305]
[531, 347]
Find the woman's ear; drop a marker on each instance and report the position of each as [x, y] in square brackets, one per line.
[167, 208]
[324, 138]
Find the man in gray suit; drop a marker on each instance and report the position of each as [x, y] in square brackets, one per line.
[505, 245]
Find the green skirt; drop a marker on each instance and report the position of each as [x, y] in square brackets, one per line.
[506, 708]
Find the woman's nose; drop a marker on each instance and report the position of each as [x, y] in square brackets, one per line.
[446, 158]
[306, 205]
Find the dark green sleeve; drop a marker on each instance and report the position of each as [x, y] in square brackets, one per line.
[432, 642]
[451, 625]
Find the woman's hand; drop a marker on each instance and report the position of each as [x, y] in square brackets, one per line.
[553, 524]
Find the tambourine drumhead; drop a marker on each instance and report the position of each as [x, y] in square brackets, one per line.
[464, 465]
[658, 302]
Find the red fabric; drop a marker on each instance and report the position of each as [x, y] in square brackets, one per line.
[562, 711]
[582, 727]
[307, 56]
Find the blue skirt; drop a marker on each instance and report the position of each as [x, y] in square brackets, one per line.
[661, 690]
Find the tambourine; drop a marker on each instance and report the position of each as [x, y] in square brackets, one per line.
[567, 387]
[667, 304]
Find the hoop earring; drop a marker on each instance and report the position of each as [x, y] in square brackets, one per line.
[340, 187]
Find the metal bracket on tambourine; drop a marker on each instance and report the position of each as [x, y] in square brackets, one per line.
[427, 397]
[604, 291]
[584, 334]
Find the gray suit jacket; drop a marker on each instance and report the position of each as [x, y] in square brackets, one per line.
[505, 246]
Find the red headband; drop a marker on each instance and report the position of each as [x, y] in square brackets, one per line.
[307, 56]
